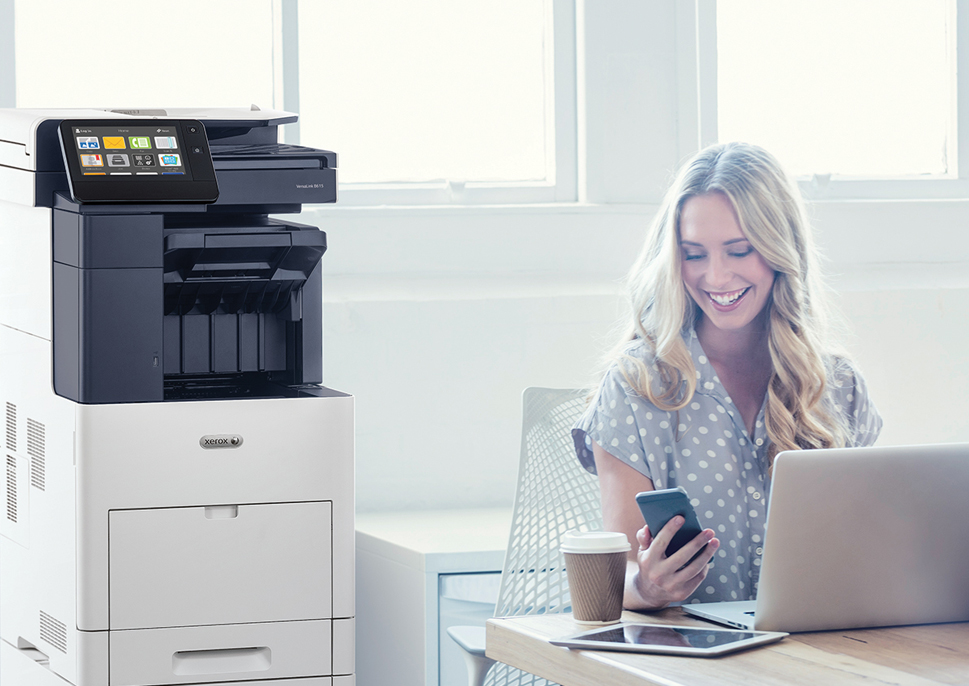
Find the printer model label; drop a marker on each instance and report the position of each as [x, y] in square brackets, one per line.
[219, 441]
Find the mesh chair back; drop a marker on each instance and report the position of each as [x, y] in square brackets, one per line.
[555, 494]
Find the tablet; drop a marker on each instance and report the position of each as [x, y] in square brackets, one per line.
[668, 640]
[138, 160]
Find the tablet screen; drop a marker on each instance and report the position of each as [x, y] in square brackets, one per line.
[647, 634]
[669, 639]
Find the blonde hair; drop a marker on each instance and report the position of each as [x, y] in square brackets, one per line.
[772, 217]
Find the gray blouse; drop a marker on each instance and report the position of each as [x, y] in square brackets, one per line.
[706, 449]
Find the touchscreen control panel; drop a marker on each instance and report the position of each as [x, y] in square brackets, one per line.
[154, 160]
[123, 151]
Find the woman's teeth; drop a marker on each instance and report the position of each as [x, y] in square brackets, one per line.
[727, 298]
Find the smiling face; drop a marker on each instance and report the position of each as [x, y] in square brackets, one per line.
[723, 273]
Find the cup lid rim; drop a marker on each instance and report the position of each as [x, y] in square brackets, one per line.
[575, 541]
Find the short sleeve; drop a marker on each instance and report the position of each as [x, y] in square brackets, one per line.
[851, 399]
[618, 420]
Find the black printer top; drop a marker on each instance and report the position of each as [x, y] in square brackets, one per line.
[276, 155]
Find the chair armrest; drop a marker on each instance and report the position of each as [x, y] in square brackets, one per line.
[470, 638]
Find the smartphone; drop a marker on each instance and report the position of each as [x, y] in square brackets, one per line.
[659, 507]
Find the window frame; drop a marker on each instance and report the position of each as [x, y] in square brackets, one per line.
[8, 55]
[561, 158]
[842, 187]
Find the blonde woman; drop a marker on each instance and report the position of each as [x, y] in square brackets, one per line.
[724, 366]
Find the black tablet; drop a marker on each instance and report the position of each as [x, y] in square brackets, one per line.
[668, 639]
[138, 160]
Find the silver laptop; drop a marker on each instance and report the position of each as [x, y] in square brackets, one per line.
[861, 537]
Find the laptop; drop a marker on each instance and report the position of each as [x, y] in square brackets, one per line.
[861, 537]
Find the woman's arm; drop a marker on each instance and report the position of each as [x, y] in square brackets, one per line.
[653, 580]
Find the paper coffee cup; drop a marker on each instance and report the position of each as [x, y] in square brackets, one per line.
[595, 562]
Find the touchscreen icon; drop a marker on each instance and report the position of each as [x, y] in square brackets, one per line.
[144, 160]
[92, 161]
[117, 160]
[139, 142]
[87, 142]
[116, 142]
[167, 142]
[169, 160]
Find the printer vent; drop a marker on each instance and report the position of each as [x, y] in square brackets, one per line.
[12, 488]
[53, 631]
[35, 448]
[11, 427]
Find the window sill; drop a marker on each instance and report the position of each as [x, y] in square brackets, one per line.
[535, 209]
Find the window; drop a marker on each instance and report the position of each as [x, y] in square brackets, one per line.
[115, 53]
[857, 98]
[429, 89]
[437, 101]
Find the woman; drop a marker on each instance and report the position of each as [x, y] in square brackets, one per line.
[725, 365]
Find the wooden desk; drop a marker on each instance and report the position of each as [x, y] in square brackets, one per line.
[926, 655]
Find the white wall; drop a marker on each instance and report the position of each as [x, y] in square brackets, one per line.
[901, 275]
[911, 345]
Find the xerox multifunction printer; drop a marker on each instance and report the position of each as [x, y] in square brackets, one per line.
[178, 501]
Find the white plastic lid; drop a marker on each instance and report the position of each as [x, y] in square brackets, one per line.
[575, 541]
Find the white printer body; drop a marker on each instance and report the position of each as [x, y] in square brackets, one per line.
[178, 501]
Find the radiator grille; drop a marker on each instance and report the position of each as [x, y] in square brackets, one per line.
[36, 442]
[11, 427]
[53, 631]
[12, 488]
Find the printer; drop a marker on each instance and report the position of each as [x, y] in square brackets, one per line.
[178, 501]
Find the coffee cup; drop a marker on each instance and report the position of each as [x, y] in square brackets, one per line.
[595, 562]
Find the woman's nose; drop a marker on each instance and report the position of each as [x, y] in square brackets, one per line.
[718, 273]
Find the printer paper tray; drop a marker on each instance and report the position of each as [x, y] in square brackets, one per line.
[242, 652]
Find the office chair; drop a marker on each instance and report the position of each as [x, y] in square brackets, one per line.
[554, 494]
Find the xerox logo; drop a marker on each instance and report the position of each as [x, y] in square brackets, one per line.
[221, 441]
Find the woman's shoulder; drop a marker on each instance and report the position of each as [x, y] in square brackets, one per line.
[842, 372]
[617, 416]
[849, 397]
[633, 354]
[631, 365]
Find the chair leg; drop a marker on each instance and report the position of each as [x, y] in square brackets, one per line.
[478, 667]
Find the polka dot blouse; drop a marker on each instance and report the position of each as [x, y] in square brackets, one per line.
[706, 449]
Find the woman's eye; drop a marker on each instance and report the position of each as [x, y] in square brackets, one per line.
[689, 256]
[742, 254]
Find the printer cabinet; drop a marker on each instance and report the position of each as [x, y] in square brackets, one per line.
[152, 546]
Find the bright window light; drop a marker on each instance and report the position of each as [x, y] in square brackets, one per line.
[427, 90]
[118, 53]
[846, 87]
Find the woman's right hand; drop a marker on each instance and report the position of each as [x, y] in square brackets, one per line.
[661, 580]
[653, 580]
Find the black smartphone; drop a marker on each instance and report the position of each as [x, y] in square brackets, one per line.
[659, 507]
